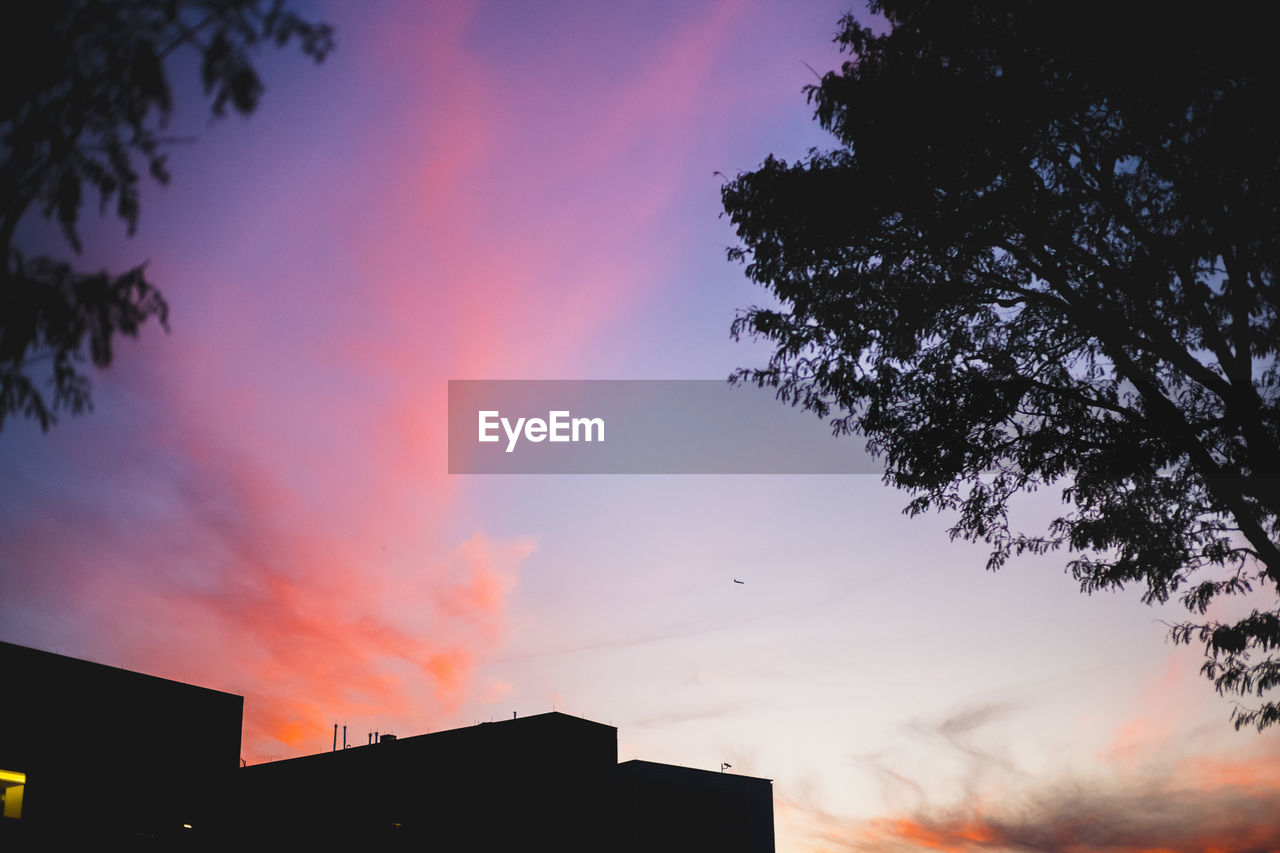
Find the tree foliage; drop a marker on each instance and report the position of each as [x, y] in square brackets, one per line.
[1043, 251]
[83, 108]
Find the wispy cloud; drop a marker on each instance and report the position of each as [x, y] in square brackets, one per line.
[1085, 817]
[1160, 793]
[967, 720]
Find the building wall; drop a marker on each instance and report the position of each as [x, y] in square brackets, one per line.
[517, 784]
[109, 753]
[661, 807]
[116, 756]
[549, 781]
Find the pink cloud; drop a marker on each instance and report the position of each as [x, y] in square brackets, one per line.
[276, 524]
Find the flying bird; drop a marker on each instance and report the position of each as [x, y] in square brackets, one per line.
[735, 580]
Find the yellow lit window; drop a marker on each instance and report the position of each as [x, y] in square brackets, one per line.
[11, 784]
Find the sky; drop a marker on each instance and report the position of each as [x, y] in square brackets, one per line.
[260, 503]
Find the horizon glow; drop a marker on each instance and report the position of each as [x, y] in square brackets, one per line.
[260, 501]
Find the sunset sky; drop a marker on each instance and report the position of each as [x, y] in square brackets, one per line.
[259, 502]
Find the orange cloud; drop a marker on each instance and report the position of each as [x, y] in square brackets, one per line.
[1259, 772]
[1122, 819]
[1168, 787]
[494, 691]
[276, 519]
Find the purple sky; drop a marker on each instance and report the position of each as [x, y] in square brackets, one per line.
[259, 502]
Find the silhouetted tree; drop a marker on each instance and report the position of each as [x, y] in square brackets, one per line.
[84, 100]
[1044, 251]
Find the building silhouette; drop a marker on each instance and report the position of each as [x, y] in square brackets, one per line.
[95, 753]
[105, 754]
